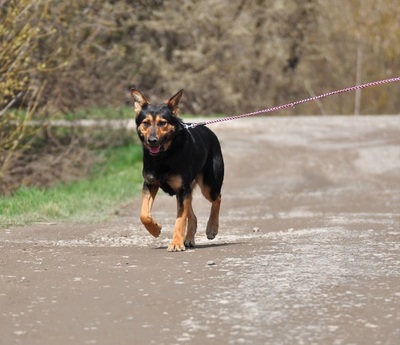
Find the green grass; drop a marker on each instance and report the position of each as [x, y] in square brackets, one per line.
[93, 199]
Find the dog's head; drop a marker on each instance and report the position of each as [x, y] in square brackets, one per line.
[156, 124]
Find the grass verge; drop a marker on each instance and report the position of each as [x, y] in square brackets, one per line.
[111, 183]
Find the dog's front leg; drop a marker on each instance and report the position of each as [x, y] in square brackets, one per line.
[148, 195]
[184, 204]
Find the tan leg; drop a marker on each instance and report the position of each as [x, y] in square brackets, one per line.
[148, 196]
[191, 229]
[213, 221]
[184, 207]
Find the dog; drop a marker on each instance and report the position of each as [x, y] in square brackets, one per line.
[176, 159]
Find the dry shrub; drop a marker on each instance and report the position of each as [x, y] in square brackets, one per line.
[53, 57]
[233, 57]
[230, 56]
[20, 80]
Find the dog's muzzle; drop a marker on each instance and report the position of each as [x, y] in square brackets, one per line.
[153, 145]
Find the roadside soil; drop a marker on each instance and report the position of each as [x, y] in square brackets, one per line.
[308, 251]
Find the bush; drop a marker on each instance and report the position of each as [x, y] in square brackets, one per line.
[21, 82]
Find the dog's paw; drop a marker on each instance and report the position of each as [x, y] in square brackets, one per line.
[176, 247]
[211, 232]
[154, 229]
[189, 243]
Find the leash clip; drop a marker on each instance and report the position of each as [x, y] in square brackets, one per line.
[193, 125]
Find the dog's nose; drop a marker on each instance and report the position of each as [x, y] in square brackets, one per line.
[152, 140]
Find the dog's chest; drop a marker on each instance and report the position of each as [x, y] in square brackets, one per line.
[169, 183]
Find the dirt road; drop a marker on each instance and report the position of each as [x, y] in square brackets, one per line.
[308, 251]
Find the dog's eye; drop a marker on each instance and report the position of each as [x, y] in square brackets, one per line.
[162, 123]
[146, 124]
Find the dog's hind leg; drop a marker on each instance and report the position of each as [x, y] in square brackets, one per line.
[213, 196]
[213, 220]
[184, 208]
[191, 228]
[148, 195]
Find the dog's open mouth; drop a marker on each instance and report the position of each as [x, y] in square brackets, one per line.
[154, 150]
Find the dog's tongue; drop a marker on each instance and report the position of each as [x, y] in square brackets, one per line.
[154, 149]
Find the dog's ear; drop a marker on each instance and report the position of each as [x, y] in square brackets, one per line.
[139, 101]
[173, 102]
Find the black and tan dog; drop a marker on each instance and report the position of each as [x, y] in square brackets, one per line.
[176, 159]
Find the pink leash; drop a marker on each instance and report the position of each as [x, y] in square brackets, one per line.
[292, 104]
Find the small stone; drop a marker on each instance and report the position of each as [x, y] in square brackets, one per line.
[210, 263]
[256, 229]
